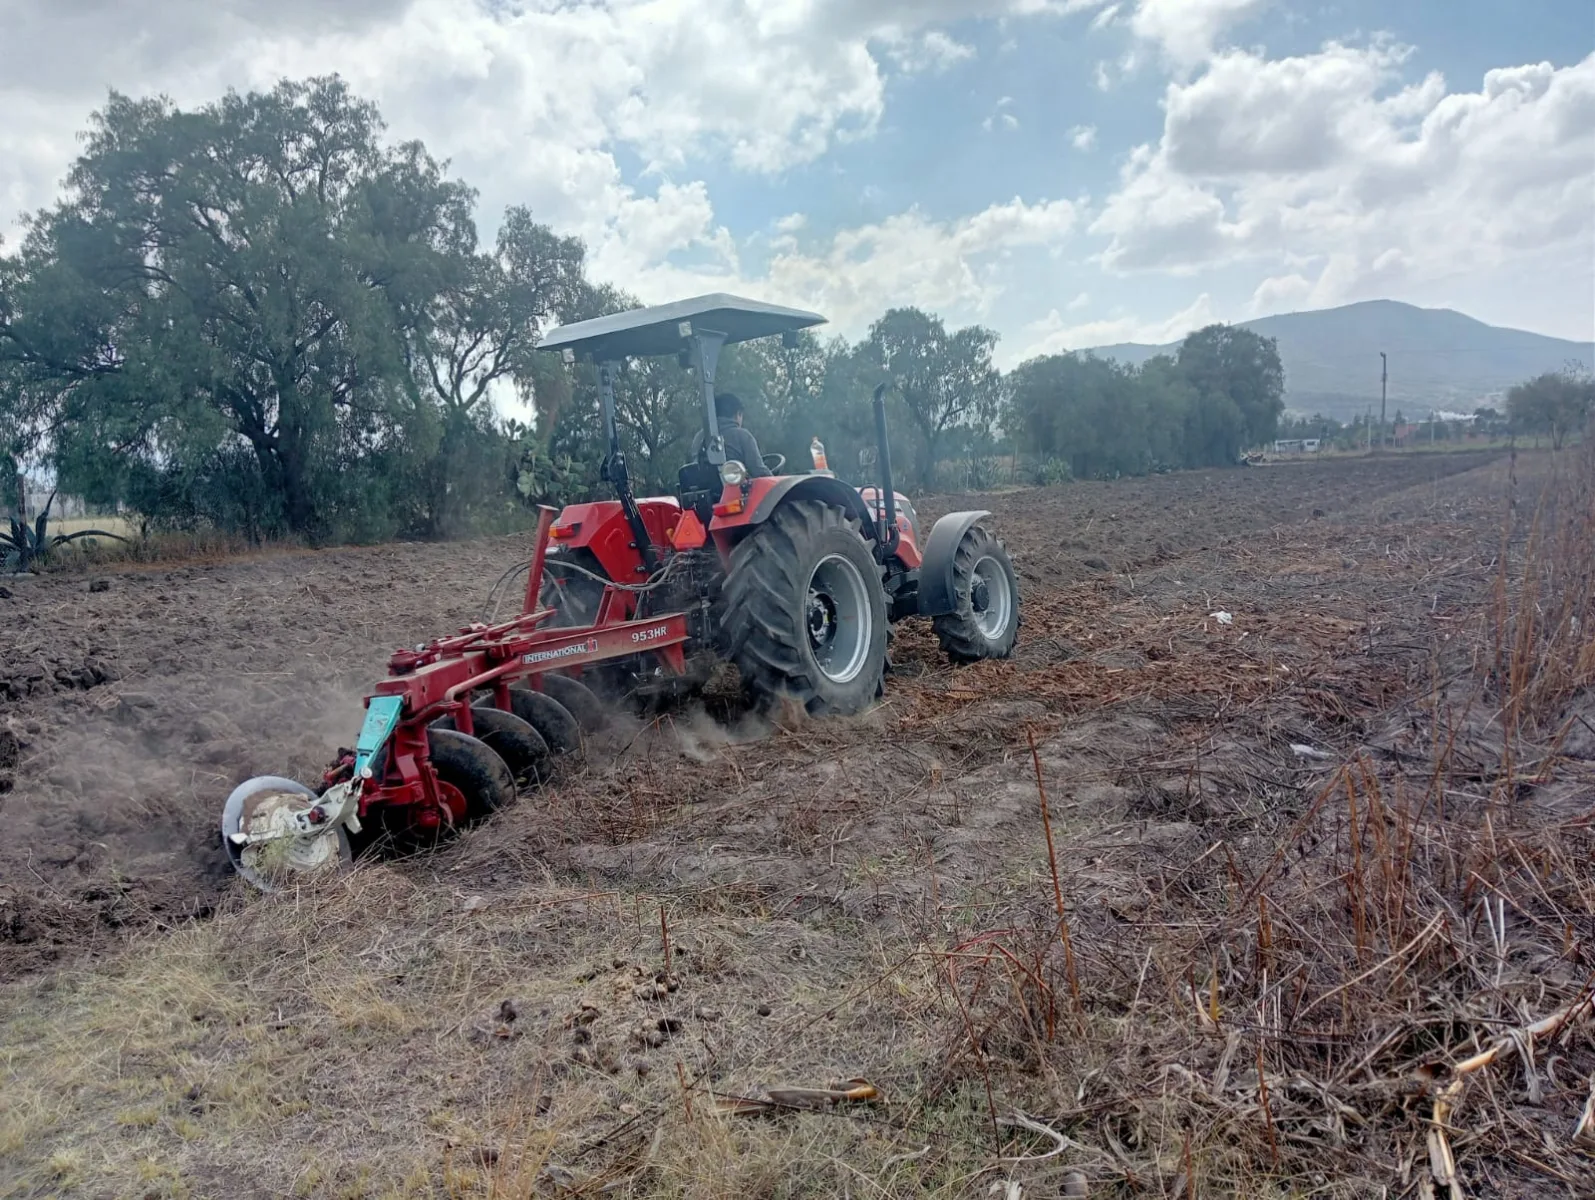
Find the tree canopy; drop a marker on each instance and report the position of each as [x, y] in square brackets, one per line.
[1222, 392]
[1552, 405]
[263, 316]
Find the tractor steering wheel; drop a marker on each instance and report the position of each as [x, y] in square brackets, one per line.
[775, 462]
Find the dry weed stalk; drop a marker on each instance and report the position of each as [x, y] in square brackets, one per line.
[1057, 887]
[1350, 944]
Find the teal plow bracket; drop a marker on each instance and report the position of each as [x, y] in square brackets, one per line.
[382, 716]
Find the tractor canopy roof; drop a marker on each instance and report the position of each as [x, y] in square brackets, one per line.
[642, 332]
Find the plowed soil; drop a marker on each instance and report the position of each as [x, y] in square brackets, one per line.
[1224, 955]
[136, 699]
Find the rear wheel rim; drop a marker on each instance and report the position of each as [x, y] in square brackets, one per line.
[989, 583]
[837, 618]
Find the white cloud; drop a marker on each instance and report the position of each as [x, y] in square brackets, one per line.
[791, 223]
[908, 259]
[954, 267]
[1001, 117]
[528, 101]
[933, 51]
[1330, 165]
[1083, 137]
[1102, 78]
[1055, 334]
[1280, 293]
[1187, 30]
[1105, 18]
[1079, 302]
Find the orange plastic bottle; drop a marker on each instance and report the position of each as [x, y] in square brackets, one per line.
[817, 450]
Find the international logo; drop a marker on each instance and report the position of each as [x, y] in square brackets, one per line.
[539, 656]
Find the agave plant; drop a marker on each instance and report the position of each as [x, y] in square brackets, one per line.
[23, 547]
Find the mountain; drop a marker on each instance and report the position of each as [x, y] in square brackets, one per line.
[1439, 359]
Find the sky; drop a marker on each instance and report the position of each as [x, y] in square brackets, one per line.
[1070, 173]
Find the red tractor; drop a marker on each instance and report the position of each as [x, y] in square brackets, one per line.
[793, 578]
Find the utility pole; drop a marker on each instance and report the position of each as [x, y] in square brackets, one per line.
[1384, 380]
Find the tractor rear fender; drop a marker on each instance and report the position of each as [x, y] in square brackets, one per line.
[601, 528]
[767, 494]
[937, 595]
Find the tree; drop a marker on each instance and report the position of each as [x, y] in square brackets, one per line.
[219, 308]
[945, 380]
[1556, 404]
[477, 337]
[1100, 417]
[1241, 383]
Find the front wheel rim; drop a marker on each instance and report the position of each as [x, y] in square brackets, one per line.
[838, 619]
[991, 580]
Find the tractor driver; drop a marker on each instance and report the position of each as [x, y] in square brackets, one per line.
[739, 442]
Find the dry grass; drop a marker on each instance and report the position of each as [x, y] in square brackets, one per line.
[165, 547]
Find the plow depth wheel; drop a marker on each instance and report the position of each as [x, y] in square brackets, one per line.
[803, 614]
[986, 622]
[270, 865]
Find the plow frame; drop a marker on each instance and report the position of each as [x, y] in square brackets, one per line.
[439, 678]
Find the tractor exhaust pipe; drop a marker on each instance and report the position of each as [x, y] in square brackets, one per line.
[889, 535]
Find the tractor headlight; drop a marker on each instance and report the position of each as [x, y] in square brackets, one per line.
[732, 473]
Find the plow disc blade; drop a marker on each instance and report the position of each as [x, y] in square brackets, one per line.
[263, 806]
[558, 727]
[578, 699]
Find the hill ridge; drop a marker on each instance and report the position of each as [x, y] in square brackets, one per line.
[1439, 358]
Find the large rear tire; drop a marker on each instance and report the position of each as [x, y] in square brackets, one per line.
[572, 594]
[803, 615]
[986, 622]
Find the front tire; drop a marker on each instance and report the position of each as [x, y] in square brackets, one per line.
[803, 615]
[985, 623]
